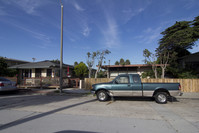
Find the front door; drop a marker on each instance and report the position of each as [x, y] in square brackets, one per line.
[37, 73]
[121, 86]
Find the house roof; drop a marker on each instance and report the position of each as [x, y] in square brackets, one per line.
[135, 65]
[10, 59]
[190, 56]
[42, 64]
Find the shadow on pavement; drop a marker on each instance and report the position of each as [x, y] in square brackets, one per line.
[148, 99]
[17, 100]
[134, 99]
[74, 131]
[24, 120]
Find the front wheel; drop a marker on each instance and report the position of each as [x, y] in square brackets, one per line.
[102, 96]
[161, 97]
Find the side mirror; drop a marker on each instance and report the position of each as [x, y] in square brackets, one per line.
[116, 82]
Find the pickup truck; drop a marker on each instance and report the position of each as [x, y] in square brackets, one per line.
[131, 85]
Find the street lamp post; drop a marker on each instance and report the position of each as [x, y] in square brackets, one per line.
[61, 50]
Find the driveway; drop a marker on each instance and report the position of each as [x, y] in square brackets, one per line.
[83, 113]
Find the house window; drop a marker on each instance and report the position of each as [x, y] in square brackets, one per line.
[49, 72]
[26, 73]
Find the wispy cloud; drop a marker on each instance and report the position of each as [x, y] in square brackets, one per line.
[81, 21]
[3, 12]
[46, 41]
[28, 6]
[86, 31]
[129, 13]
[77, 6]
[110, 33]
[149, 35]
[191, 3]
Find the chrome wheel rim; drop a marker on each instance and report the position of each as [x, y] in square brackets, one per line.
[102, 96]
[162, 98]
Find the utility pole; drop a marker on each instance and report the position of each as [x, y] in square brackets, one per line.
[61, 50]
[108, 69]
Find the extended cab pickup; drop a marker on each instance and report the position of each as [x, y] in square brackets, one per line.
[131, 85]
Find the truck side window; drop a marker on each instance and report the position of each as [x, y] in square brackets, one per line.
[123, 80]
[135, 79]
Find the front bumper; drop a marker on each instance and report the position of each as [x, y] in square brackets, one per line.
[92, 92]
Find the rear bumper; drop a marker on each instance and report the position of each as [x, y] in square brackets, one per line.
[176, 93]
[8, 89]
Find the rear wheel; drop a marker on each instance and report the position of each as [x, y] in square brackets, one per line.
[102, 96]
[161, 97]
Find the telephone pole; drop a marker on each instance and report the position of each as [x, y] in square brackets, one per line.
[61, 50]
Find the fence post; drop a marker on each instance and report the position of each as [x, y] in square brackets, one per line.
[80, 84]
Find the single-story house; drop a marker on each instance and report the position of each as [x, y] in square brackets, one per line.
[11, 62]
[115, 70]
[190, 61]
[42, 69]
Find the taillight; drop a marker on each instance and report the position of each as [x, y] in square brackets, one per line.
[1, 84]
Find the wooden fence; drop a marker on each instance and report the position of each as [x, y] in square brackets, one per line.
[187, 85]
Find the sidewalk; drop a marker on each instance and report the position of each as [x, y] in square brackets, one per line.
[189, 95]
[76, 91]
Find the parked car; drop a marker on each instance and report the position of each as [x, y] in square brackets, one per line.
[7, 85]
[131, 85]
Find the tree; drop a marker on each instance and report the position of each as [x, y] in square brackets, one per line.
[5, 71]
[101, 74]
[81, 70]
[182, 35]
[75, 63]
[56, 61]
[164, 56]
[33, 59]
[90, 61]
[122, 61]
[127, 62]
[100, 57]
[195, 24]
[151, 59]
[3, 67]
[117, 63]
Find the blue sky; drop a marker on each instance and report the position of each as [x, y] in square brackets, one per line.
[31, 28]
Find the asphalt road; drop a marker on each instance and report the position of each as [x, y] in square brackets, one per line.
[84, 114]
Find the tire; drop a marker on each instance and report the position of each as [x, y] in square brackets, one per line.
[102, 96]
[161, 97]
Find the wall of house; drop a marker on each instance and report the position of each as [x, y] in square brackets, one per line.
[44, 73]
[33, 73]
[141, 70]
[116, 73]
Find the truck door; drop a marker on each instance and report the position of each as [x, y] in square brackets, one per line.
[136, 85]
[121, 86]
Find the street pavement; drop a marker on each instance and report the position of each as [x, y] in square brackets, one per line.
[76, 111]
